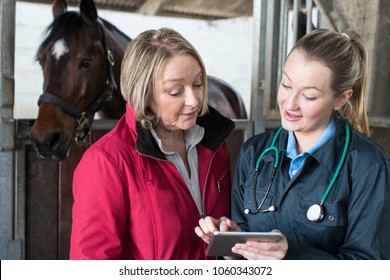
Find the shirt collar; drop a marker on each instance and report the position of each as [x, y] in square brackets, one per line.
[328, 133]
[192, 137]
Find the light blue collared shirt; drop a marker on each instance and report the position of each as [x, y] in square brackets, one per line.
[297, 160]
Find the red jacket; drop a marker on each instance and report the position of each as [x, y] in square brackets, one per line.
[131, 203]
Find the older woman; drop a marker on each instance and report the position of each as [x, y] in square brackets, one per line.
[141, 189]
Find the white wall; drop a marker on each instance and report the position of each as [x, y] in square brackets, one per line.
[225, 45]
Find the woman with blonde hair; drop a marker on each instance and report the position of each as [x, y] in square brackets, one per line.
[140, 190]
[318, 179]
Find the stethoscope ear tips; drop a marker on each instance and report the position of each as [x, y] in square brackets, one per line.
[271, 208]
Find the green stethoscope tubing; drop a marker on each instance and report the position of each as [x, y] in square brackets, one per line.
[273, 148]
[341, 162]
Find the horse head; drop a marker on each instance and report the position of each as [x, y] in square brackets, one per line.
[80, 59]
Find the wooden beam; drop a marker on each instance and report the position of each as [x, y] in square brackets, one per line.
[151, 7]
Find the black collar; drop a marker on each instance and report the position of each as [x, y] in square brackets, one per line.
[217, 129]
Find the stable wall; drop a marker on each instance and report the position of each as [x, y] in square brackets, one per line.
[225, 45]
[371, 19]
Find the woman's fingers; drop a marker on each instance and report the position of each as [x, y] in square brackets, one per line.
[232, 226]
[208, 225]
[205, 237]
[254, 250]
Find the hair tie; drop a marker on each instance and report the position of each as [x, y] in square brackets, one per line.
[346, 36]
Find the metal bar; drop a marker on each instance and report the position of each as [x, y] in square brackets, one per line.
[283, 36]
[246, 125]
[380, 122]
[309, 19]
[297, 4]
[10, 248]
[20, 200]
[268, 57]
[325, 14]
[276, 54]
[258, 65]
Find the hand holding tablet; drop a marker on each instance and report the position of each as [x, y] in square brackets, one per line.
[222, 241]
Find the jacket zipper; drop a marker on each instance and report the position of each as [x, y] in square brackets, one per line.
[205, 185]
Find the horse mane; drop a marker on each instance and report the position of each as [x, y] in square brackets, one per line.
[113, 28]
[65, 24]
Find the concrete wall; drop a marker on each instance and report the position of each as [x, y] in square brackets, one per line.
[225, 45]
[372, 20]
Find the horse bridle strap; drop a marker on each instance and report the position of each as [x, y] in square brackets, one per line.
[85, 119]
[60, 102]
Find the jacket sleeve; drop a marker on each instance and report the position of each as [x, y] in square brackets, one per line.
[100, 208]
[369, 213]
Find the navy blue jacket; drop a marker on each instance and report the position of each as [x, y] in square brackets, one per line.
[356, 224]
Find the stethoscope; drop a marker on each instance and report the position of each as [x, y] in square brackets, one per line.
[315, 212]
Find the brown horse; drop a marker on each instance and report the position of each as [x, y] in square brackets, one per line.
[81, 59]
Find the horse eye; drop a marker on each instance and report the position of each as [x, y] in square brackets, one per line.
[85, 63]
[39, 59]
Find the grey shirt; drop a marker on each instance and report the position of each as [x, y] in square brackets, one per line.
[192, 137]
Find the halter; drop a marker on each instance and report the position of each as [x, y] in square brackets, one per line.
[85, 119]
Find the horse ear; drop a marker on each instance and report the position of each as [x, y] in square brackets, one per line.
[88, 11]
[59, 7]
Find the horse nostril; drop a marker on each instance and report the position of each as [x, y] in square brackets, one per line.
[50, 143]
[54, 145]
[53, 141]
[34, 140]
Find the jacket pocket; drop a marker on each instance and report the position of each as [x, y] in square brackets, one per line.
[328, 233]
[222, 182]
[335, 214]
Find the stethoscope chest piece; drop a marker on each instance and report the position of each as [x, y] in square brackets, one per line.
[315, 213]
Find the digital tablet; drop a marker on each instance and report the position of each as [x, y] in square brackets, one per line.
[222, 242]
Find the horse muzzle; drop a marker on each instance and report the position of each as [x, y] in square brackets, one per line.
[54, 146]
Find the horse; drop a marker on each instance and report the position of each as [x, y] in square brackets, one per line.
[80, 58]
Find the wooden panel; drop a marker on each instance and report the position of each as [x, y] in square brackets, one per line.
[49, 202]
[41, 207]
[66, 169]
